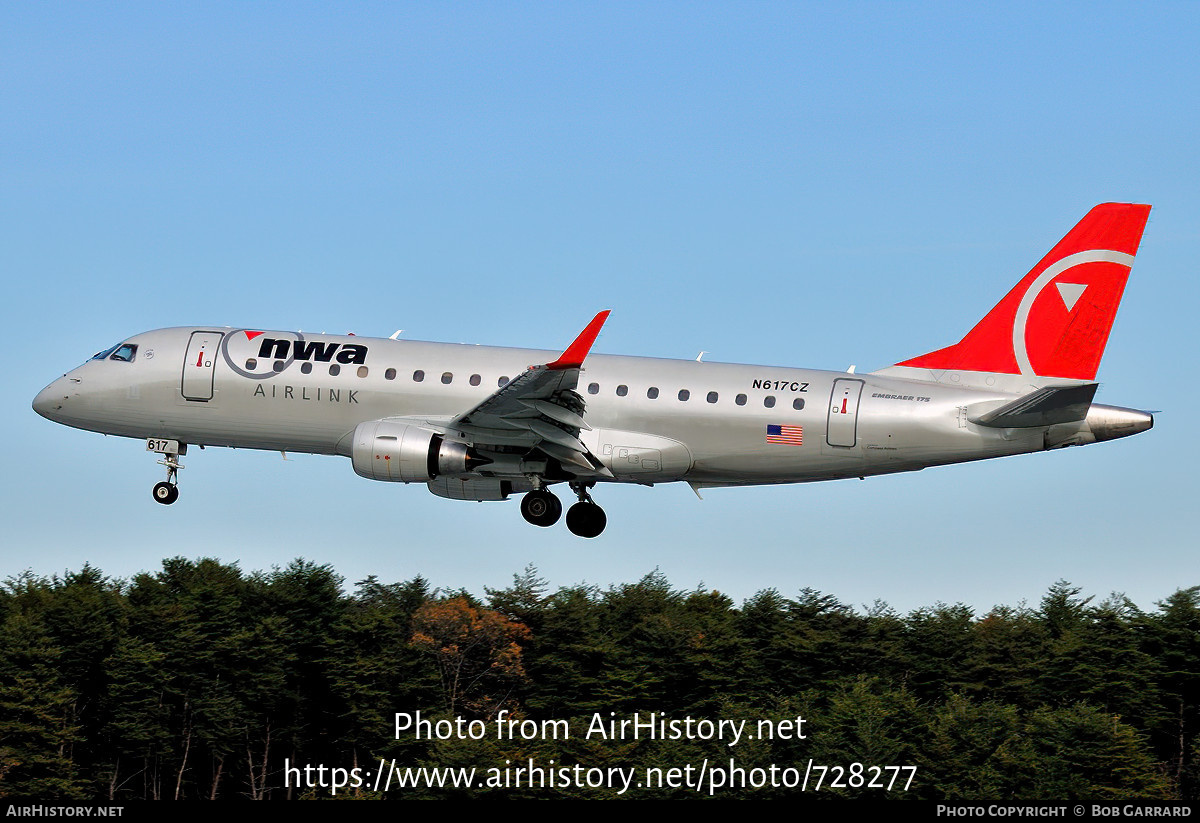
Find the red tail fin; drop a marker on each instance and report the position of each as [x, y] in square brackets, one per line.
[1059, 331]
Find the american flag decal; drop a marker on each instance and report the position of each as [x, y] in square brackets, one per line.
[785, 435]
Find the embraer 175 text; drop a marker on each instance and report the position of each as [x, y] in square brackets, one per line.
[481, 423]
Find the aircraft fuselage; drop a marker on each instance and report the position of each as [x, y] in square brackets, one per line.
[652, 420]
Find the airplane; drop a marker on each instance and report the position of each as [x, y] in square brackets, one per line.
[484, 423]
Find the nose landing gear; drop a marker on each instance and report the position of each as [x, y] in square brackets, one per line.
[167, 492]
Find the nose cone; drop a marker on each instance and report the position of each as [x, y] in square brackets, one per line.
[50, 400]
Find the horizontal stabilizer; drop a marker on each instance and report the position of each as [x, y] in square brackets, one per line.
[1044, 407]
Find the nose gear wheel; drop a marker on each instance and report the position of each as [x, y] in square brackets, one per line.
[166, 493]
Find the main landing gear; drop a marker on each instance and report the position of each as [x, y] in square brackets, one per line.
[541, 508]
[585, 518]
[167, 492]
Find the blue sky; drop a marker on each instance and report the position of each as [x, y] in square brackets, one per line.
[791, 184]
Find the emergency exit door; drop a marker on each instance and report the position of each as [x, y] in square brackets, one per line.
[198, 365]
[842, 428]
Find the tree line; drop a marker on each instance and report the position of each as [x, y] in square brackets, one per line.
[200, 681]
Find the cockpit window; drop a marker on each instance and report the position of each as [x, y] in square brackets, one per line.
[101, 355]
[125, 351]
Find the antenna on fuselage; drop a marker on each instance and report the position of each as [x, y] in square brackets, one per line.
[700, 355]
[396, 334]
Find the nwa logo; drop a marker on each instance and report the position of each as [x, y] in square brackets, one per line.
[347, 353]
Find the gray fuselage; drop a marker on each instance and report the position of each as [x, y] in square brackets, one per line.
[652, 420]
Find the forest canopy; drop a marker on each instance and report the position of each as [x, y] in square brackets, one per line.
[202, 681]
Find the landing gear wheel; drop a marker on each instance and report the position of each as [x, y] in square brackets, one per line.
[541, 508]
[166, 493]
[586, 519]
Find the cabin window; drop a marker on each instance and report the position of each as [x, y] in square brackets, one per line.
[684, 394]
[474, 381]
[335, 370]
[418, 376]
[362, 371]
[448, 377]
[306, 368]
[593, 388]
[252, 364]
[502, 382]
[622, 390]
[712, 397]
[390, 374]
[740, 400]
[769, 401]
[277, 365]
[652, 392]
[798, 403]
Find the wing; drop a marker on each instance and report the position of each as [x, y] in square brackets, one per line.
[539, 409]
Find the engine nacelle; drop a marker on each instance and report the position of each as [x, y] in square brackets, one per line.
[400, 453]
[479, 488]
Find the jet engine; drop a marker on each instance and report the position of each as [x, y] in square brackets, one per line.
[401, 453]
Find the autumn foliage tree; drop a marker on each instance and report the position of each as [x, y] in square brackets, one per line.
[477, 651]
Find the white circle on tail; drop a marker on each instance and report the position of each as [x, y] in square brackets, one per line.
[1043, 280]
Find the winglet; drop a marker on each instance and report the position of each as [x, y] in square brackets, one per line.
[573, 357]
